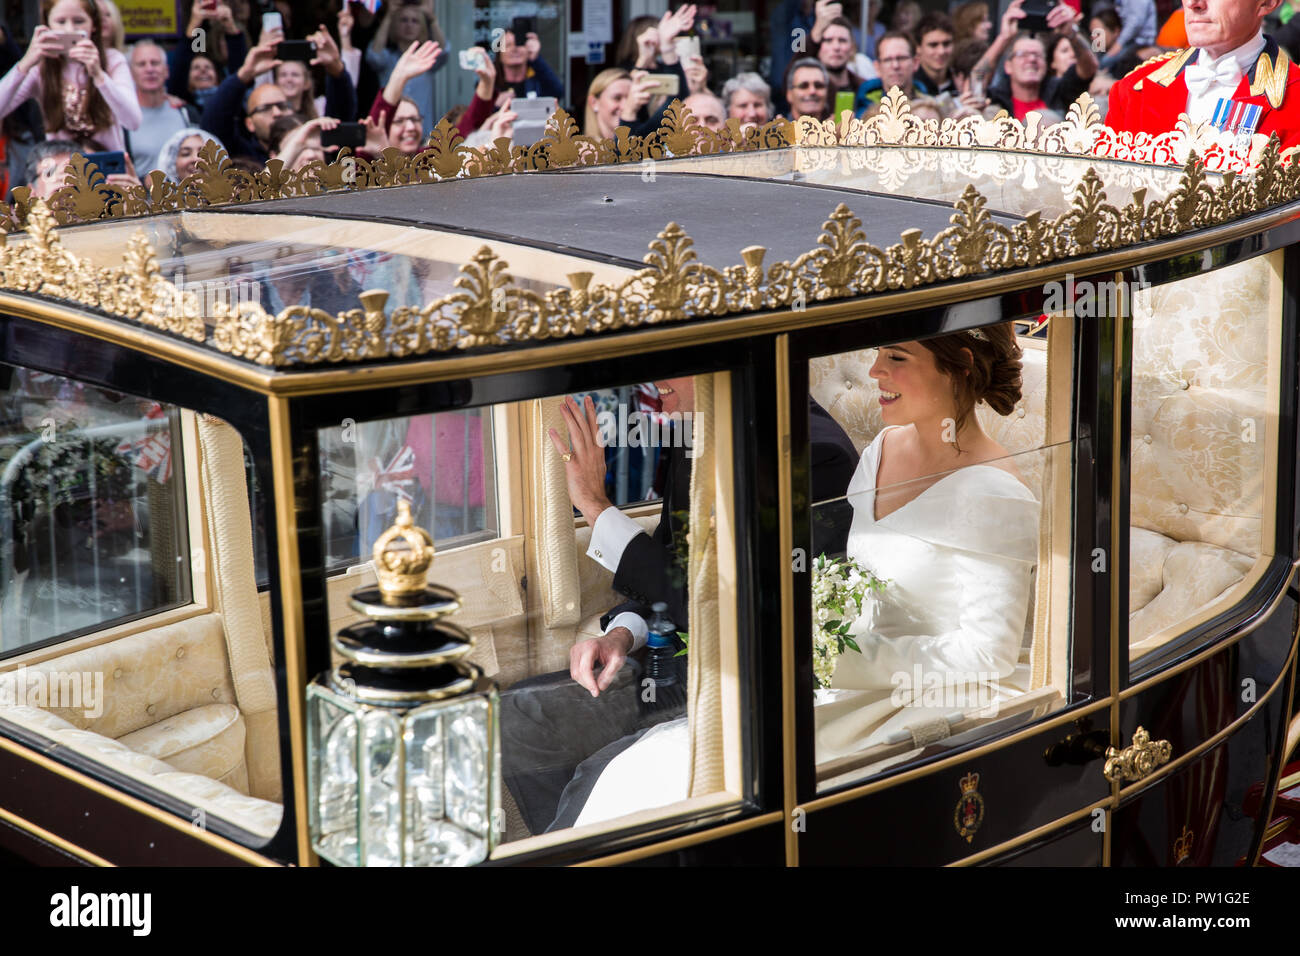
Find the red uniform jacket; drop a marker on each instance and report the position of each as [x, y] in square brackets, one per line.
[1151, 98]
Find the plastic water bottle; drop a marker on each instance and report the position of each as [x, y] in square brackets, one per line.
[660, 647]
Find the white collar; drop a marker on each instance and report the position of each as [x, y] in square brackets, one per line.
[1245, 55]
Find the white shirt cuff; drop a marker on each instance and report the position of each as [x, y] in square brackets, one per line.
[610, 537]
[633, 622]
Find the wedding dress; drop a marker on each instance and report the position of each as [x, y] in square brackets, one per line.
[958, 561]
[945, 634]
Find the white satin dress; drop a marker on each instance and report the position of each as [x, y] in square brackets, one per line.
[958, 559]
[945, 635]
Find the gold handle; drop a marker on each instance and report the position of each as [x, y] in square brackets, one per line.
[1137, 761]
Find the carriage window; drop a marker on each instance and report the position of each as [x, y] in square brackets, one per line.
[940, 566]
[633, 475]
[441, 464]
[561, 603]
[90, 508]
[96, 533]
[1206, 368]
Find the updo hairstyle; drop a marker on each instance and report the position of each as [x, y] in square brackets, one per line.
[984, 365]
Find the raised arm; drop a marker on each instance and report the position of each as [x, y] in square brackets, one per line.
[984, 67]
[1064, 21]
[117, 87]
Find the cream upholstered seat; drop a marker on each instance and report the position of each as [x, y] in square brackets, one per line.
[259, 817]
[1200, 416]
[188, 701]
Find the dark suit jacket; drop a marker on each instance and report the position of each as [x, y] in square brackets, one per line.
[649, 570]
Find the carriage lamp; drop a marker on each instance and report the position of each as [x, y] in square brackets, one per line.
[403, 748]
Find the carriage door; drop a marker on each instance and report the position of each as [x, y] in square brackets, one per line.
[978, 717]
[1210, 544]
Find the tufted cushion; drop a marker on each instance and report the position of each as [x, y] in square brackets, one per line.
[1194, 575]
[207, 740]
[1147, 553]
[1198, 468]
[1199, 419]
[146, 677]
[260, 817]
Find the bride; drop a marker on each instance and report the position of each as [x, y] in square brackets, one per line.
[940, 513]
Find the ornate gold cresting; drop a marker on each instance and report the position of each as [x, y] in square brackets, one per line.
[217, 181]
[488, 309]
[1137, 760]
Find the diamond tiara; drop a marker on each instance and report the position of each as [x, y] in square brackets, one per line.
[977, 334]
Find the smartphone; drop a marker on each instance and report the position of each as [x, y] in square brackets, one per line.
[110, 164]
[470, 59]
[1035, 18]
[68, 40]
[521, 27]
[843, 101]
[686, 48]
[666, 84]
[272, 21]
[304, 50]
[345, 134]
[532, 112]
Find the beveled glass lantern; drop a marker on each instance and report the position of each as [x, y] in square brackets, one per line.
[403, 745]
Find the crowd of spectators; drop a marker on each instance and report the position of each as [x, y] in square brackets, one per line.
[76, 85]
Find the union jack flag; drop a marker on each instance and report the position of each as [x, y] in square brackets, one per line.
[396, 477]
[152, 453]
[372, 5]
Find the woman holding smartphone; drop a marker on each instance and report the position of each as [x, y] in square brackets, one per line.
[84, 90]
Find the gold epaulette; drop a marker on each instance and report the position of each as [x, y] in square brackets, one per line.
[1270, 78]
[1170, 64]
[1158, 58]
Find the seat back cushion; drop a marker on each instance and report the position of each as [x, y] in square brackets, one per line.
[206, 740]
[133, 682]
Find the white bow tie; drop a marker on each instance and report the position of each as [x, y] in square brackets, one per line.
[1200, 79]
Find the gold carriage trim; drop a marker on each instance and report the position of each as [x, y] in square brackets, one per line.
[489, 309]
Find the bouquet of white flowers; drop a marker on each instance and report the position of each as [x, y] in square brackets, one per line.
[843, 591]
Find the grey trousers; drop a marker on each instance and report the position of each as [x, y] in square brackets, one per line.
[551, 727]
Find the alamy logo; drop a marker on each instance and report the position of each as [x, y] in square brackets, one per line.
[1087, 299]
[957, 690]
[55, 690]
[74, 908]
[233, 293]
[639, 429]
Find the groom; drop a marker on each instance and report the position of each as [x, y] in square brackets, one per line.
[550, 724]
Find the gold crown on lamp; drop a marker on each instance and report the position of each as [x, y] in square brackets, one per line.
[969, 782]
[403, 571]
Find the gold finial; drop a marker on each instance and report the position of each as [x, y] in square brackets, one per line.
[403, 572]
